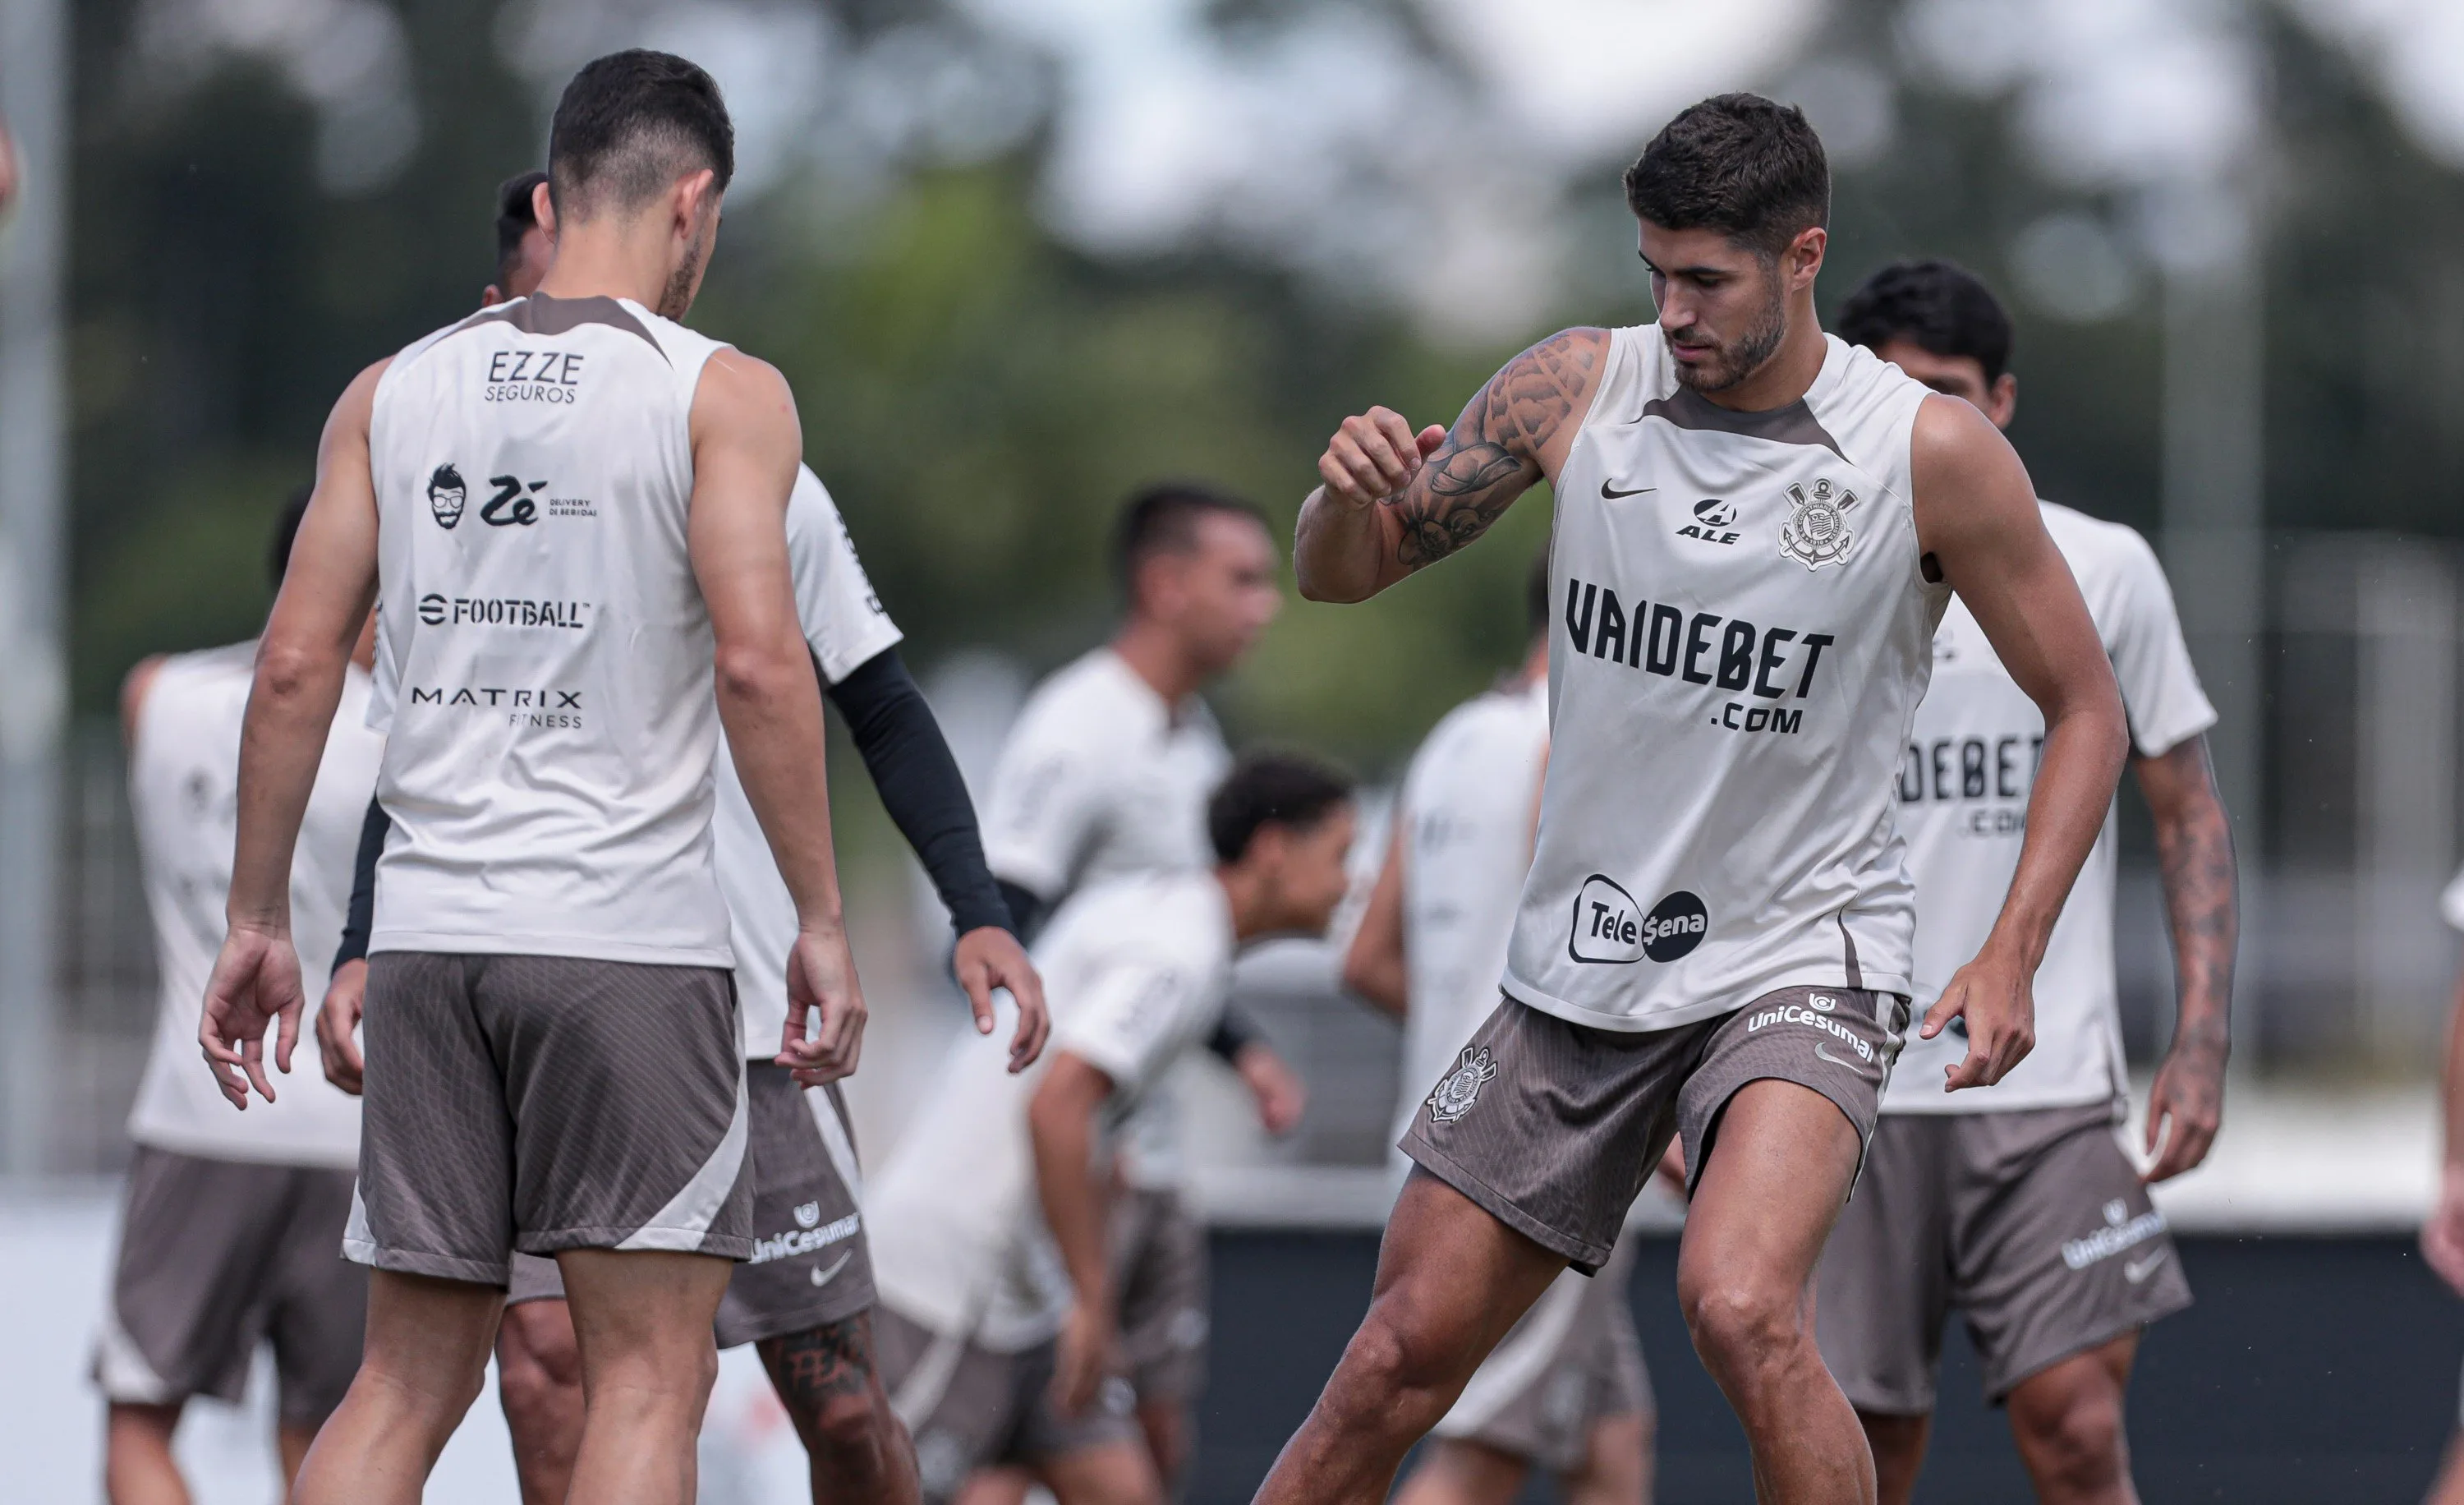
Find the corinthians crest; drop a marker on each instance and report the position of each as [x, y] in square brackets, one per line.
[1817, 532]
[1461, 1087]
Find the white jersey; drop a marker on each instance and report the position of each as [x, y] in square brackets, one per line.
[845, 626]
[1742, 630]
[1136, 971]
[1101, 779]
[184, 791]
[1465, 815]
[547, 676]
[1964, 781]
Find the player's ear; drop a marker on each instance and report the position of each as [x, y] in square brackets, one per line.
[491, 296]
[1804, 256]
[2002, 400]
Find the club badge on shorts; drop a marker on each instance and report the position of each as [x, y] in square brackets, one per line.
[1461, 1087]
[1817, 532]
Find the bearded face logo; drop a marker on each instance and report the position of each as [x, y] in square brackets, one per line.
[446, 495]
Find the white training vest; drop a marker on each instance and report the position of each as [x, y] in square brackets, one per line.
[547, 654]
[1964, 783]
[184, 792]
[1465, 815]
[1741, 631]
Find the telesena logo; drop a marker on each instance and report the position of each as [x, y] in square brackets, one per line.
[440, 610]
[528, 709]
[1609, 926]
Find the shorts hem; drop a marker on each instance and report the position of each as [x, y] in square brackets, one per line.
[419, 1262]
[1581, 1254]
[1998, 1386]
[1696, 1159]
[638, 1240]
[1868, 1405]
[786, 1324]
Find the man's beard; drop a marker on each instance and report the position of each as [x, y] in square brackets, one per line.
[676, 301]
[1732, 364]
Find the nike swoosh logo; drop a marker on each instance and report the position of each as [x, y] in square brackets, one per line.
[2137, 1270]
[1835, 1060]
[823, 1278]
[1612, 494]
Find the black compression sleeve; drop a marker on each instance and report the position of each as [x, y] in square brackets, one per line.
[361, 919]
[910, 764]
[1026, 912]
[1234, 1032]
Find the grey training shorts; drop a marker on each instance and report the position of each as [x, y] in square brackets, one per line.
[1553, 1127]
[217, 1256]
[811, 1267]
[2032, 1224]
[1571, 1362]
[970, 1407]
[1159, 1269]
[541, 1103]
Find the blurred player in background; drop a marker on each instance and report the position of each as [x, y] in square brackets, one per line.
[1566, 1390]
[2442, 1237]
[552, 1022]
[1106, 774]
[2014, 1205]
[1756, 527]
[997, 1328]
[233, 1233]
[805, 1298]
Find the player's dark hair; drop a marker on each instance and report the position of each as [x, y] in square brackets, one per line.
[1163, 519]
[286, 530]
[1738, 164]
[515, 217]
[1535, 593]
[1271, 788]
[628, 123]
[1939, 307]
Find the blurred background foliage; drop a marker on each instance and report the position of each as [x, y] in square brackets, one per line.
[985, 370]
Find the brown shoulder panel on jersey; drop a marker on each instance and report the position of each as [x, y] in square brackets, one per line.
[542, 315]
[1793, 424]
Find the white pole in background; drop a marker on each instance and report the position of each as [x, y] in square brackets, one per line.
[34, 99]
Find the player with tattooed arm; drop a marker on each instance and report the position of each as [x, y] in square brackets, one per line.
[1757, 528]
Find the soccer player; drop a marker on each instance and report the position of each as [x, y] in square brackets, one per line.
[232, 1232]
[805, 1298]
[2442, 1236]
[1107, 773]
[1566, 1390]
[1756, 528]
[2014, 1204]
[996, 1327]
[551, 1031]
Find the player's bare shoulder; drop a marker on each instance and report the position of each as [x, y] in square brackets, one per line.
[1536, 402]
[1966, 480]
[741, 393]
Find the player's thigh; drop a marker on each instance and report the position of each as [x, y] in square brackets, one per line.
[646, 1308]
[1767, 1197]
[1617, 1463]
[1451, 1281]
[430, 1338]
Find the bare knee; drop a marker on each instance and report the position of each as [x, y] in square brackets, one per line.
[1398, 1372]
[539, 1363]
[1744, 1328]
[2072, 1439]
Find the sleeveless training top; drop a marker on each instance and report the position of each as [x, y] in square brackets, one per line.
[1741, 636]
[1465, 807]
[545, 652]
[184, 791]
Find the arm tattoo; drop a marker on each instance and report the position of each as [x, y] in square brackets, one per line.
[2196, 855]
[1492, 455]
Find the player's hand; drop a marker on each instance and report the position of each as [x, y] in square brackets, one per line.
[1993, 995]
[2442, 1237]
[822, 984]
[989, 956]
[1374, 456]
[255, 984]
[337, 1024]
[2188, 1096]
[1089, 1352]
[1282, 1098]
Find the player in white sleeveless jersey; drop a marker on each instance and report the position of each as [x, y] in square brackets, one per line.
[805, 1296]
[1106, 774]
[997, 1324]
[1756, 528]
[1564, 1390]
[2014, 1204]
[551, 1029]
[231, 1235]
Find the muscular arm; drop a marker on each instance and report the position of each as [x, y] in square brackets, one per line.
[1060, 1122]
[1373, 967]
[2194, 845]
[1394, 501]
[1977, 517]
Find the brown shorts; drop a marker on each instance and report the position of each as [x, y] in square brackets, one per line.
[810, 1267]
[970, 1407]
[1553, 1127]
[217, 1256]
[2032, 1223]
[1571, 1362]
[1159, 1268]
[540, 1103]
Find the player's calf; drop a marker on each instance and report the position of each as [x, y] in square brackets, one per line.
[826, 1380]
[538, 1383]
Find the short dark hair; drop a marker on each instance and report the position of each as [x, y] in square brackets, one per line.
[286, 530]
[1738, 164]
[1536, 592]
[1936, 305]
[515, 217]
[1162, 518]
[628, 123]
[1271, 788]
